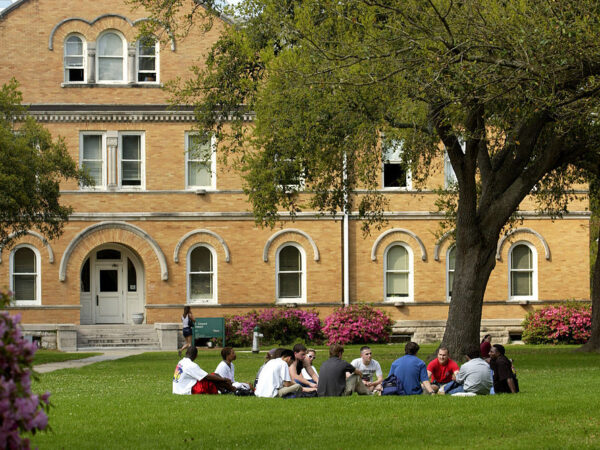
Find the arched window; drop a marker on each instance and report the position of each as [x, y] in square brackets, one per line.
[450, 264]
[398, 273]
[74, 59]
[25, 275]
[523, 272]
[291, 273]
[111, 58]
[147, 60]
[202, 277]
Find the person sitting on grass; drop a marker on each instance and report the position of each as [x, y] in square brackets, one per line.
[370, 369]
[411, 371]
[504, 377]
[189, 378]
[298, 365]
[274, 379]
[333, 381]
[473, 377]
[442, 370]
[485, 347]
[309, 359]
[226, 368]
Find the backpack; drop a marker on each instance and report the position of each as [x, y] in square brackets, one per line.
[392, 386]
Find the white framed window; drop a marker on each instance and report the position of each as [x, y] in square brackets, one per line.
[450, 265]
[291, 273]
[201, 164]
[290, 178]
[398, 273]
[25, 279]
[111, 58]
[201, 274]
[449, 174]
[522, 279]
[147, 62]
[92, 156]
[75, 59]
[394, 171]
[131, 160]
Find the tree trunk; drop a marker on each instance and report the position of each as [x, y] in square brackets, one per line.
[475, 260]
[593, 344]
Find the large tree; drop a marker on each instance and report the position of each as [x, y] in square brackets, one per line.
[32, 165]
[509, 89]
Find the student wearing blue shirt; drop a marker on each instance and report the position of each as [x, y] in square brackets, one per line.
[411, 371]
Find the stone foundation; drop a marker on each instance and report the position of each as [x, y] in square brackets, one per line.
[503, 331]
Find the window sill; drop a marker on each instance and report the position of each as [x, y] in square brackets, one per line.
[112, 85]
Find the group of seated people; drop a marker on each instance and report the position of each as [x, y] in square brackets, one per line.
[290, 373]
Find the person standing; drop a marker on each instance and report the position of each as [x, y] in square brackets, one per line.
[411, 371]
[504, 378]
[372, 374]
[187, 321]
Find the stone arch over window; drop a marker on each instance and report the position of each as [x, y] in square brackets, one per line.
[522, 230]
[200, 232]
[447, 236]
[316, 255]
[44, 241]
[387, 233]
[93, 22]
[117, 232]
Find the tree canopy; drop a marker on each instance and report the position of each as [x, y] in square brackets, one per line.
[32, 165]
[509, 89]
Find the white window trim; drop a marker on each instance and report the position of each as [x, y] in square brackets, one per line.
[104, 158]
[125, 56]
[448, 165]
[213, 163]
[156, 63]
[38, 280]
[142, 135]
[398, 146]
[84, 57]
[411, 272]
[534, 269]
[204, 301]
[448, 287]
[303, 275]
[293, 187]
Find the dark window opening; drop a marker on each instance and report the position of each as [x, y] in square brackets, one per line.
[85, 276]
[108, 254]
[131, 277]
[394, 175]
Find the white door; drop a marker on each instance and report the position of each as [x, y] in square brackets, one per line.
[109, 293]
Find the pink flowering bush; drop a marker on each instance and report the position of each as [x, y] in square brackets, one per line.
[20, 410]
[278, 326]
[357, 324]
[565, 324]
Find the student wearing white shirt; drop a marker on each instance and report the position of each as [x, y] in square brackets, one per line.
[226, 368]
[310, 357]
[189, 378]
[274, 379]
[372, 374]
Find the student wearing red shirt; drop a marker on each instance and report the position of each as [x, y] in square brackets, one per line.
[442, 370]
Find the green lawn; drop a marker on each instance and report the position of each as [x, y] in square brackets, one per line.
[128, 404]
[51, 356]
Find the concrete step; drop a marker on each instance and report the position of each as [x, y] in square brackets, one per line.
[117, 336]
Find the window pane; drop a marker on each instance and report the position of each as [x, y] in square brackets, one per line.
[24, 261]
[201, 286]
[452, 258]
[450, 282]
[289, 285]
[521, 283]
[132, 175]
[201, 260]
[85, 276]
[131, 277]
[397, 258]
[92, 147]
[289, 259]
[75, 75]
[147, 47]
[199, 174]
[147, 64]
[397, 285]
[110, 69]
[110, 45]
[131, 147]
[74, 61]
[24, 287]
[74, 46]
[108, 254]
[198, 149]
[109, 281]
[394, 175]
[521, 257]
[94, 170]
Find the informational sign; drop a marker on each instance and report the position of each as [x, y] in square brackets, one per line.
[209, 327]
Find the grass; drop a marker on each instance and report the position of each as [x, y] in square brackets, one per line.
[51, 356]
[128, 403]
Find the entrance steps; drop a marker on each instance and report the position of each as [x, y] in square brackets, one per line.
[143, 337]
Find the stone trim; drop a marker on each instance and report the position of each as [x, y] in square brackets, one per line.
[401, 231]
[438, 244]
[201, 231]
[294, 231]
[40, 237]
[522, 230]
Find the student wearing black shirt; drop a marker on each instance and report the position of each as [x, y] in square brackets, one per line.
[504, 378]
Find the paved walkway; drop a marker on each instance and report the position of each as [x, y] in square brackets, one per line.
[107, 355]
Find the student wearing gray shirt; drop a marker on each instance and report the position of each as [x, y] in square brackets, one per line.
[473, 377]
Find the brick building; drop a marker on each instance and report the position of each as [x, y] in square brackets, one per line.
[162, 228]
